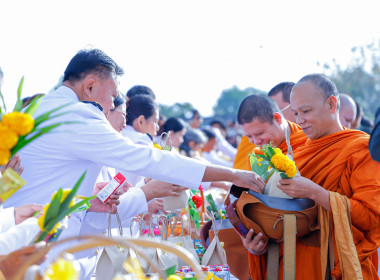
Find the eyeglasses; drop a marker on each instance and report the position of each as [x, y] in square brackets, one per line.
[286, 107]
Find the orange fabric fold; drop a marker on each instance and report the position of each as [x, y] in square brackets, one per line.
[242, 156]
[344, 244]
[258, 264]
[340, 162]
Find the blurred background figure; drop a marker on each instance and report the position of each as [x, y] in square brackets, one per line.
[281, 94]
[176, 129]
[196, 119]
[347, 110]
[358, 116]
[140, 90]
[209, 149]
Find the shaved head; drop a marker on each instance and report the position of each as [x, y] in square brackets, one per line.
[315, 102]
[347, 110]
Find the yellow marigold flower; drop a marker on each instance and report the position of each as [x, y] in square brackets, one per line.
[20, 123]
[63, 269]
[285, 164]
[5, 155]
[291, 172]
[277, 151]
[65, 193]
[41, 220]
[8, 138]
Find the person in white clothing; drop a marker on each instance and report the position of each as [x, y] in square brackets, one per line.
[209, 149]
[141, 126]
[89, 142]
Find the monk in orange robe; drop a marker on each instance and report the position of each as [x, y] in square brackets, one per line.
[242, 156]
[280, 93]
[334, 161]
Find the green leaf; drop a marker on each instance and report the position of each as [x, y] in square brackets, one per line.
[264, 158]
[72, 209]
[53, 210]
[254, 164]
[47, 115]
[65, 204]
[33, 106]
[18, 106]
[23, 141]
[4, 106]
[170, 271]
[268, 174]
[271, 151]
[284, 176]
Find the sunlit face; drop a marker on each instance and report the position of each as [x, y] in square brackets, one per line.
[261, 133]
[104, 91]
[177, 137]
[117, 117]
[312, 110]
[150, 125]
[284, 107]
[347, 115]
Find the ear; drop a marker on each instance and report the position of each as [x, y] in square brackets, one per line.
[277, 118]
[88, 85]
[332, 102]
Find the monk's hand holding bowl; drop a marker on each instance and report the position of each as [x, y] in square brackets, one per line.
[301, 187]
[256, 245]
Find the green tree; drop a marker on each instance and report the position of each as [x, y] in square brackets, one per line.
[182, 110]
[229, 101]
[361, 78]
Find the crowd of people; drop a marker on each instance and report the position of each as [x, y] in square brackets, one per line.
[108, 132]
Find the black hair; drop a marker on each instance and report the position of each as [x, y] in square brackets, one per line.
[119, 100]
[140, 105]
[322, 82]
[209, 133]
[91, 61]
[257, 106]
[191, 135]
[140, 90]
[175, 124]
[285, 88]
[218, 121]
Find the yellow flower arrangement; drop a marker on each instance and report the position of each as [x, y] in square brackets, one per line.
[5, 155]
[20, 123]
[64, 268]
[8, 138]
[61, 205]
[283, 163]
[41, 220]
[268, 160]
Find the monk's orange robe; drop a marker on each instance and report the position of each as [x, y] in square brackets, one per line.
[242, 156]
[340, 162]
[257, 264]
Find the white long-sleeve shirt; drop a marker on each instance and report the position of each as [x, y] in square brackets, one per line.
[137, 138]
[59, 158]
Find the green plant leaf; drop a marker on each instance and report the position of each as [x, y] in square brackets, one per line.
[47, 115]
[53, 210]
[4, 106]
[65, 204]
[271, 151]
[23, 141]
[18, 106]
[264, 158]
[268, 174]
[33, 106]
[283, 175]
[171, 270]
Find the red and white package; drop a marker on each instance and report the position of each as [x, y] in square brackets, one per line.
[111, 187]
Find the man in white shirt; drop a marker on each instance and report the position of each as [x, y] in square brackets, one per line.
[58, 159]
